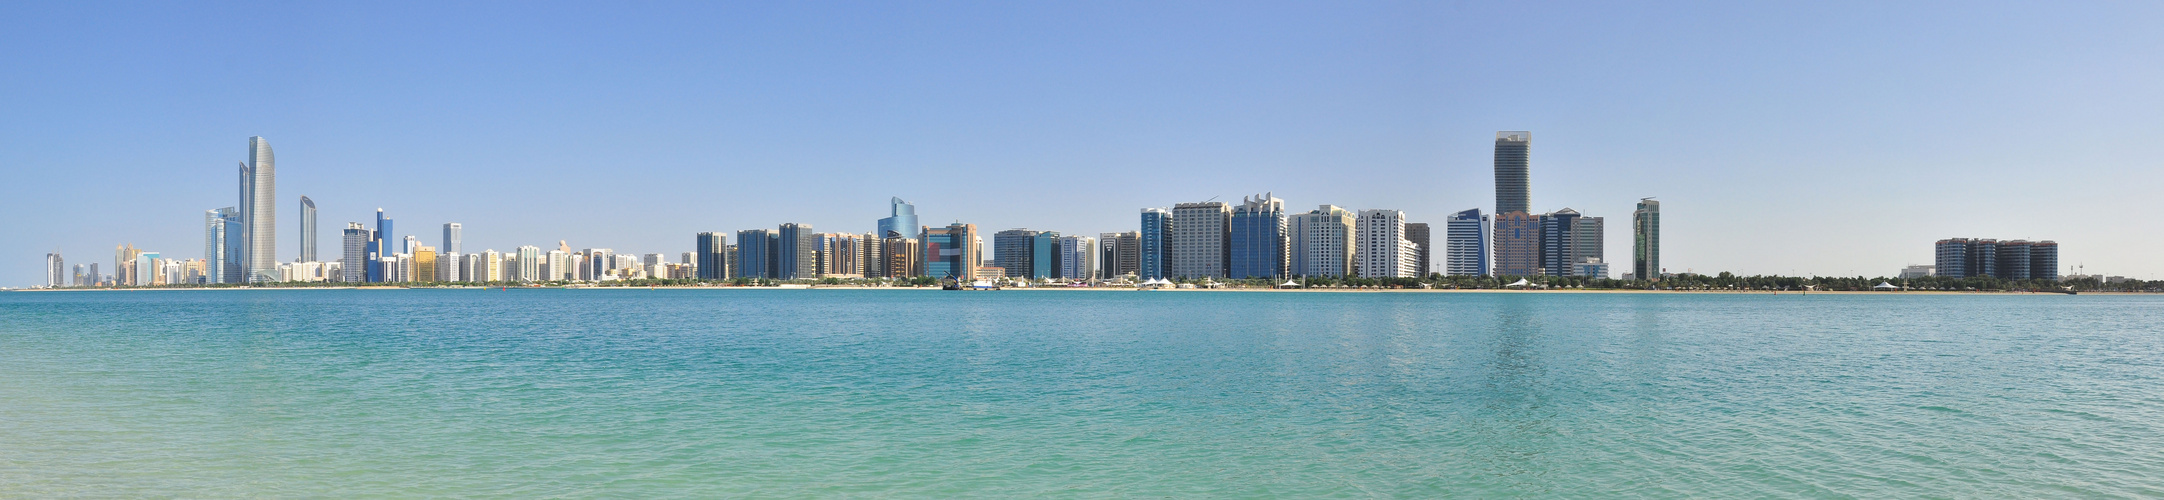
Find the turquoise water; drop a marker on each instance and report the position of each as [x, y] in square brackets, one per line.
[702, 393]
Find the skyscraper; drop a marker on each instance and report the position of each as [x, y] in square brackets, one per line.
[1078, 257]
[1513, 172]
[529, 263]
[356, 238]
[2043, 261]
[798, 252]
[713, 249]
[1323, 242]
[380, 248]
[308, 230]
[1517, 244]
[1199, 240]
[56, 270]
[1467, 244]
[1558, 231]
[951, 252]
[1122, 253]
[221, 245]
[1588, 245]
[1045, 256]
[1015, 252]
[259, 213]
[424, 265]
[1155, 252]
[753, 253]
[901, 220]
[1259, 245]
[451, 234]
[1646, 240]
[1417, 232]
[1383, 251]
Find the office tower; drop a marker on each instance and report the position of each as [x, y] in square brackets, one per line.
[951, 252]
[379, 248]
[900, 257]
[490, 269]
[713, 253]
[753, 253]
[1322, 242]
[124, 264]
[599, 261]
[1954, 259]
[1417, 232]
[2043, 261]
[1077, 257]
[56, 270]
[901, 220]
[1015, 251]
[795, 256]
[555, 266]
[356, 238]
[1466, 252]
[1646, 240]
[1119, 254]
[841, 255]
[258, 213]
[451, 267]
[1155, 253]
[1382, 250]
[424, 265]
[529, 263]
[1257, 242]
[871, 254]
[308, 230]
[2014, 258]
[451, 234]
[221, 245]
[1044, 256]
[412, 242]
[1557, 236]
[1517, 244]
[146, 269]
[1513, 172]
[78, 275]
[94, 278]
[1199, 241]
[1588, 245]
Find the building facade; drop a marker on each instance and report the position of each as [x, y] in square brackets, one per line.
[713, 256]
[308, 230]
[1513, 172]
[1382, 250]
[753, 254]
[1259, 245]
[452, 233]
[1558, 238]
[1155, 252]
[353, 247]
[797, 255]
[1014, 251]
[259, 213]
[1199, 241]
[901, 220]
[1077, 258]
[1417, 232]
[1323, 242]
[1466, 244]
[1517, 244]
[1646, 240]
[952, 252]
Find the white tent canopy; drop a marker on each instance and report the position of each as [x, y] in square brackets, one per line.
[1886, 286]
[1520, 282]
[1290, 283]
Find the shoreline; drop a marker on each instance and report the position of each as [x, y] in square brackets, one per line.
[1107, 289]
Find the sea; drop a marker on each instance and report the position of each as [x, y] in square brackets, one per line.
[704, 393]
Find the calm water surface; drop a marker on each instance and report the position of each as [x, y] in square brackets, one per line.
[646, 393]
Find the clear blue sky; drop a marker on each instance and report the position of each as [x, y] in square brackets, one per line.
[1816, 138]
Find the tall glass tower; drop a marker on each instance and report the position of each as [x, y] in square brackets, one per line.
[259, 213]
[1259, 243]
[901, 220]
[1513, 175]
[1646, 240]
[308, 230]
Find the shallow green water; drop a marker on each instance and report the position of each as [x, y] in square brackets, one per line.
[643, 393]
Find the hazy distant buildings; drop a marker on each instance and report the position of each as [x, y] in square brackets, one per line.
[1258, 240]
[259, 213]
[1382, 250]
[1199, 239]
[2007, 260]
[452, 233]
[1322, 242]
[1466, 252]
[221, 245]
[1155, 252]
[308, 230]
[1646, 240]
[56, 270]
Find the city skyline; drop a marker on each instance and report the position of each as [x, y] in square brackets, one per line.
[1785, 164]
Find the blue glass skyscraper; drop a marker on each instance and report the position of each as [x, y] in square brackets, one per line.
[1044, 255]
[1466, 244]
[1156, 251]
[901, 221]
[1259, 242]
[755, 253]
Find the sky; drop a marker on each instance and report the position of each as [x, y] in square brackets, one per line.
[1811, 138]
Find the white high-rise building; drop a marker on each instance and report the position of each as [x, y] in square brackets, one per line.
[529, 263]
[1322, 242]
[56, 270]
[1199, 239]
[1383, 251]
[355, 262]
[259, 213]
